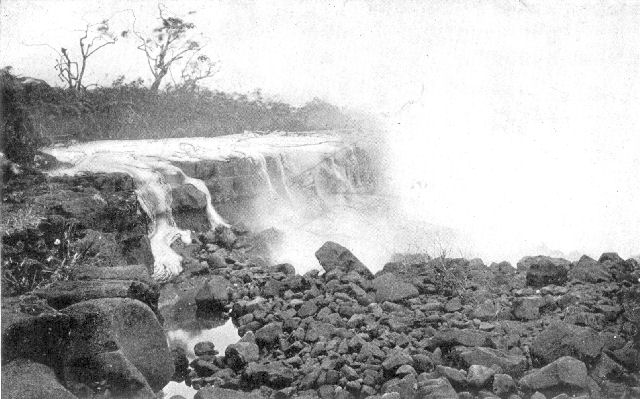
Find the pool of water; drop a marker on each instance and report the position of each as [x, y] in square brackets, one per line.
[184, 328]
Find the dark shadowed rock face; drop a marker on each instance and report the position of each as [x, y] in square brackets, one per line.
[117, 340]
[543, 270]
[26, 379]
[334, 256]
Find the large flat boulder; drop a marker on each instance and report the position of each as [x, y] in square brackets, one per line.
[61, 294]
[332, 256]
[120, 341]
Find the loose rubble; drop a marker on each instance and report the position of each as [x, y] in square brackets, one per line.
[442, 328]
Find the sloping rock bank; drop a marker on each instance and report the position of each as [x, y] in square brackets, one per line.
[444, 328]
[79, 307]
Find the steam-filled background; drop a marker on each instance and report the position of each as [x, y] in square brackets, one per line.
[512, 126]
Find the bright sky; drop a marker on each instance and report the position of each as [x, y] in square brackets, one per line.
[522, 117]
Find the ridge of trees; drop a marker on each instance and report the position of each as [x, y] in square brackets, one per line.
[36, 114]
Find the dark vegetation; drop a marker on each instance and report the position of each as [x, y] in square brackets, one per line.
[36, 114]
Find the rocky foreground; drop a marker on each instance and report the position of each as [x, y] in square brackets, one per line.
[419, 328]
[442, 328]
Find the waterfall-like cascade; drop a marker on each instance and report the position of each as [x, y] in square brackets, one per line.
[319, 164]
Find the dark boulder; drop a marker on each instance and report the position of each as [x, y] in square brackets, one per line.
[334, 256]
[543, 270]
[25, 379]
[240, 354]
[119, 341]
[214, 295]
[186, 196]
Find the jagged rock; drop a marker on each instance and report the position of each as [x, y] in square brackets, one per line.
[214, 295]
[562, 339]
[285, 268]
[511, 364]
[396, 359]
[565, 370]
[25, 379]
[186, 196]
[240, 354]
[31, 329]
[334, 256]
[453, 305]
[120, 341]
[479, 376]
[275, 375]
[543, 270]
[389, 288]
[503, 385]
[180, 364]
[211, 392]
[269, 334]
[307, 309]
[525, 263]
[527, 308]
[438, 388]
[454, 336]
[205, 348]
[225, 237]
[406, 386]
[589, 271]
[457, 378]
[216, 261]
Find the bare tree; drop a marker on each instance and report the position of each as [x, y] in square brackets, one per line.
[169, 43]
[71, 69]
[199, 67]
